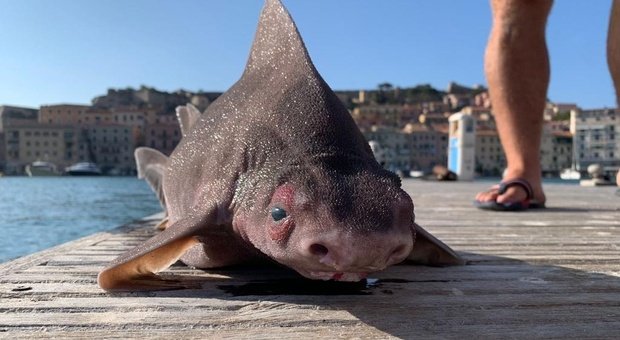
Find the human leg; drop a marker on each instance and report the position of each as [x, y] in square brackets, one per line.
[613, 53]
[517, 70]
[613, 46]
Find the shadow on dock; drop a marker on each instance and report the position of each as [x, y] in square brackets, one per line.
[492, 295]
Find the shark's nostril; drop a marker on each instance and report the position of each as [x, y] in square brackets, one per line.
[318, 250]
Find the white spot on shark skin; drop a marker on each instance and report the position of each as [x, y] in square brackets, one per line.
[534, 280]
[603, 233]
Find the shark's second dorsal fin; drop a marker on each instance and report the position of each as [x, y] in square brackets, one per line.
[187, 116]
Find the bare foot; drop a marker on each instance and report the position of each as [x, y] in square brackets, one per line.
[514, 193]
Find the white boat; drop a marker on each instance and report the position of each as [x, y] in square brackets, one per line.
[41, 168]
[569, 174]
[416, 174]
[83, 169]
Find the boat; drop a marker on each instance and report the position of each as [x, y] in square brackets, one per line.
[83, 169]
[41, 168]
[416, 174]
[570, 174]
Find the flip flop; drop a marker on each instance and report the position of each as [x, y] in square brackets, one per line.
[528, 203]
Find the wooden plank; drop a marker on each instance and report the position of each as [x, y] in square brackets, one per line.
[548, 274]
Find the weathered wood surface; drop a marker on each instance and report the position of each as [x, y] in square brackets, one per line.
[543, 274]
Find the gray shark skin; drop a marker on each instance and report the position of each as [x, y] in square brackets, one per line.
[275, 169]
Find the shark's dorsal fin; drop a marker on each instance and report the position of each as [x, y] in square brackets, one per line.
[277, 44]
[282, 81]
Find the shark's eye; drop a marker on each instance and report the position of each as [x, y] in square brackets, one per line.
[278, 213]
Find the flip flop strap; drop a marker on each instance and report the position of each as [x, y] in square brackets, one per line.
[503, 186]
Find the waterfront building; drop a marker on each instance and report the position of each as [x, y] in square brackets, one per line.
[26, 143]
[394, 145]
[428, 145]
[554, 110]
[490, 158]
[163, 136]
[596, 138]
[63, 114]
[393, 115]
[459, 96]
[131, 117]
[559, 156]
[16, 115]
[13, 115]
[149, 98]
[110, 146]
[555, 149]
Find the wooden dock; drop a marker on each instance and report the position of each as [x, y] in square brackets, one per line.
[543, 274]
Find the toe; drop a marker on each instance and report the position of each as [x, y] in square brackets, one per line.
[512, 195]
[487, 196]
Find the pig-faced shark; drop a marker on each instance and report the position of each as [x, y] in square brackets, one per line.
[275, 168]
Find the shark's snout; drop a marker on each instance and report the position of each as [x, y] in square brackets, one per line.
[339, 252]
[367, 255]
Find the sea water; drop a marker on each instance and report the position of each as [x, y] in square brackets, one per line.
[40, 212]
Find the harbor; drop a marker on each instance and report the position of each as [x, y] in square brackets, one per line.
[42, 212]
[551, 273]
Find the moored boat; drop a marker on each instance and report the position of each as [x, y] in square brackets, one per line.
[569, 174]
[83, 169]
[41, 168]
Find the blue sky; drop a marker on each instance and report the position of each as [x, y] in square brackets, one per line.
[69, 51]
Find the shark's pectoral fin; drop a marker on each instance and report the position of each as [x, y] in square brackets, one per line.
[428, 250]
[151, 165]
[136, 269]
[187, 116]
